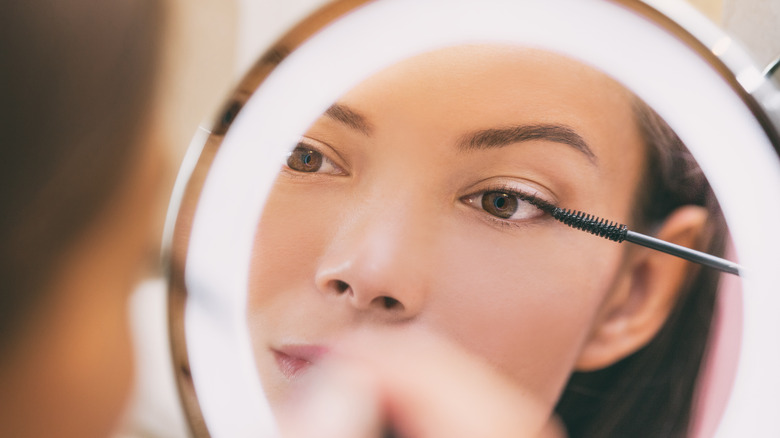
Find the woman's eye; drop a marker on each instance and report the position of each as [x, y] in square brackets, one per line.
[306, 159]
[504, 205]
[499, 204]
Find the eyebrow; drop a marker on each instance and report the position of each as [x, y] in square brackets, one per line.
[501, 137]
[483, 139]
[350, 118]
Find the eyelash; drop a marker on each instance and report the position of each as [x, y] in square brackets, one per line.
[522, 197]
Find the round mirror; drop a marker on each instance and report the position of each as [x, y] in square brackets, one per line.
[404, 178]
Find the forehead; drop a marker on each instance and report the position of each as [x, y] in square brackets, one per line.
[475, 86]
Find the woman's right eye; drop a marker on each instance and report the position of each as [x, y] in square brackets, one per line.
[307, 159]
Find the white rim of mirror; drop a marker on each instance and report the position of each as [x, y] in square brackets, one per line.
[698, 101]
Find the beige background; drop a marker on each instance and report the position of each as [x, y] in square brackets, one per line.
[210, 43]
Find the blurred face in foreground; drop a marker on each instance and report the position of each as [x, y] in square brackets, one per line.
[71, 372]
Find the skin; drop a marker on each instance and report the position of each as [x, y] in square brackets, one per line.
[390, 230]
[70, 376]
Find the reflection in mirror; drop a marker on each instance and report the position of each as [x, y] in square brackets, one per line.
[407, 204]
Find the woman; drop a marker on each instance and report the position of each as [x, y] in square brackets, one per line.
[402, 206]
[80, 178]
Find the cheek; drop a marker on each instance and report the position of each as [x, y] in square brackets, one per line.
[525, 303]
[96, 362]
[76, 366]
[292, 236]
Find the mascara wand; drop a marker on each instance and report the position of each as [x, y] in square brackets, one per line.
[618, 232]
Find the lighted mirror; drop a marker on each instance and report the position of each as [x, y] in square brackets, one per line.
[421, 175]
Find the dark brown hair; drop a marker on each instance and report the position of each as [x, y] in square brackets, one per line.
[76, 79]
[650, 393]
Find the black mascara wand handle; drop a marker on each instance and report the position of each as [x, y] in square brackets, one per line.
[683, 252]
[618, 232]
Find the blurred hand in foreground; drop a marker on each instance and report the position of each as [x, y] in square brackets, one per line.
[406, 383]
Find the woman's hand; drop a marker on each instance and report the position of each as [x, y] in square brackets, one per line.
[406, 383]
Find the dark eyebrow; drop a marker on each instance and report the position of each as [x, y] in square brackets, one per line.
[350, 118]
[500, 137]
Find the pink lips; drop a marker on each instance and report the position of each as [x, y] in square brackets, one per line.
[295, 359]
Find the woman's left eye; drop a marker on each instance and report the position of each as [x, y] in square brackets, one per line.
[504, 205]
[307, 159]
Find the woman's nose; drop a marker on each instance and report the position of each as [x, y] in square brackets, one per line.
[378, 267]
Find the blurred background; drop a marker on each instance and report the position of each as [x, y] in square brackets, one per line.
[210, 43]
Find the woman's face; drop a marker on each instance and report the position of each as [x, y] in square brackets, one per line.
[398, 208]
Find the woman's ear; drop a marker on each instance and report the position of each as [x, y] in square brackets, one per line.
[644, 293]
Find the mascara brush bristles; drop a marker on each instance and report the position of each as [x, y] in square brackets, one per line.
[592, 224]
[582, 221]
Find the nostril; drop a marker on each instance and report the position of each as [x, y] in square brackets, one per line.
[340, 286]
[390, 303]
[381, 301]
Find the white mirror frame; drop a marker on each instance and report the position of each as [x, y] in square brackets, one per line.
[729, 135]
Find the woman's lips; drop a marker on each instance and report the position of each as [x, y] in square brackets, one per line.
[293, 360]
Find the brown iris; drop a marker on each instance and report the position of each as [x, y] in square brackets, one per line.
[304, 159]
[499, 204]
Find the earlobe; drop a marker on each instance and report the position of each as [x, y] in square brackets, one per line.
[643, 294]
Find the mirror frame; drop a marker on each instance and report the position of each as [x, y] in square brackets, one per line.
[712, 46]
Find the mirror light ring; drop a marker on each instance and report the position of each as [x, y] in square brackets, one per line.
[181, 311]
